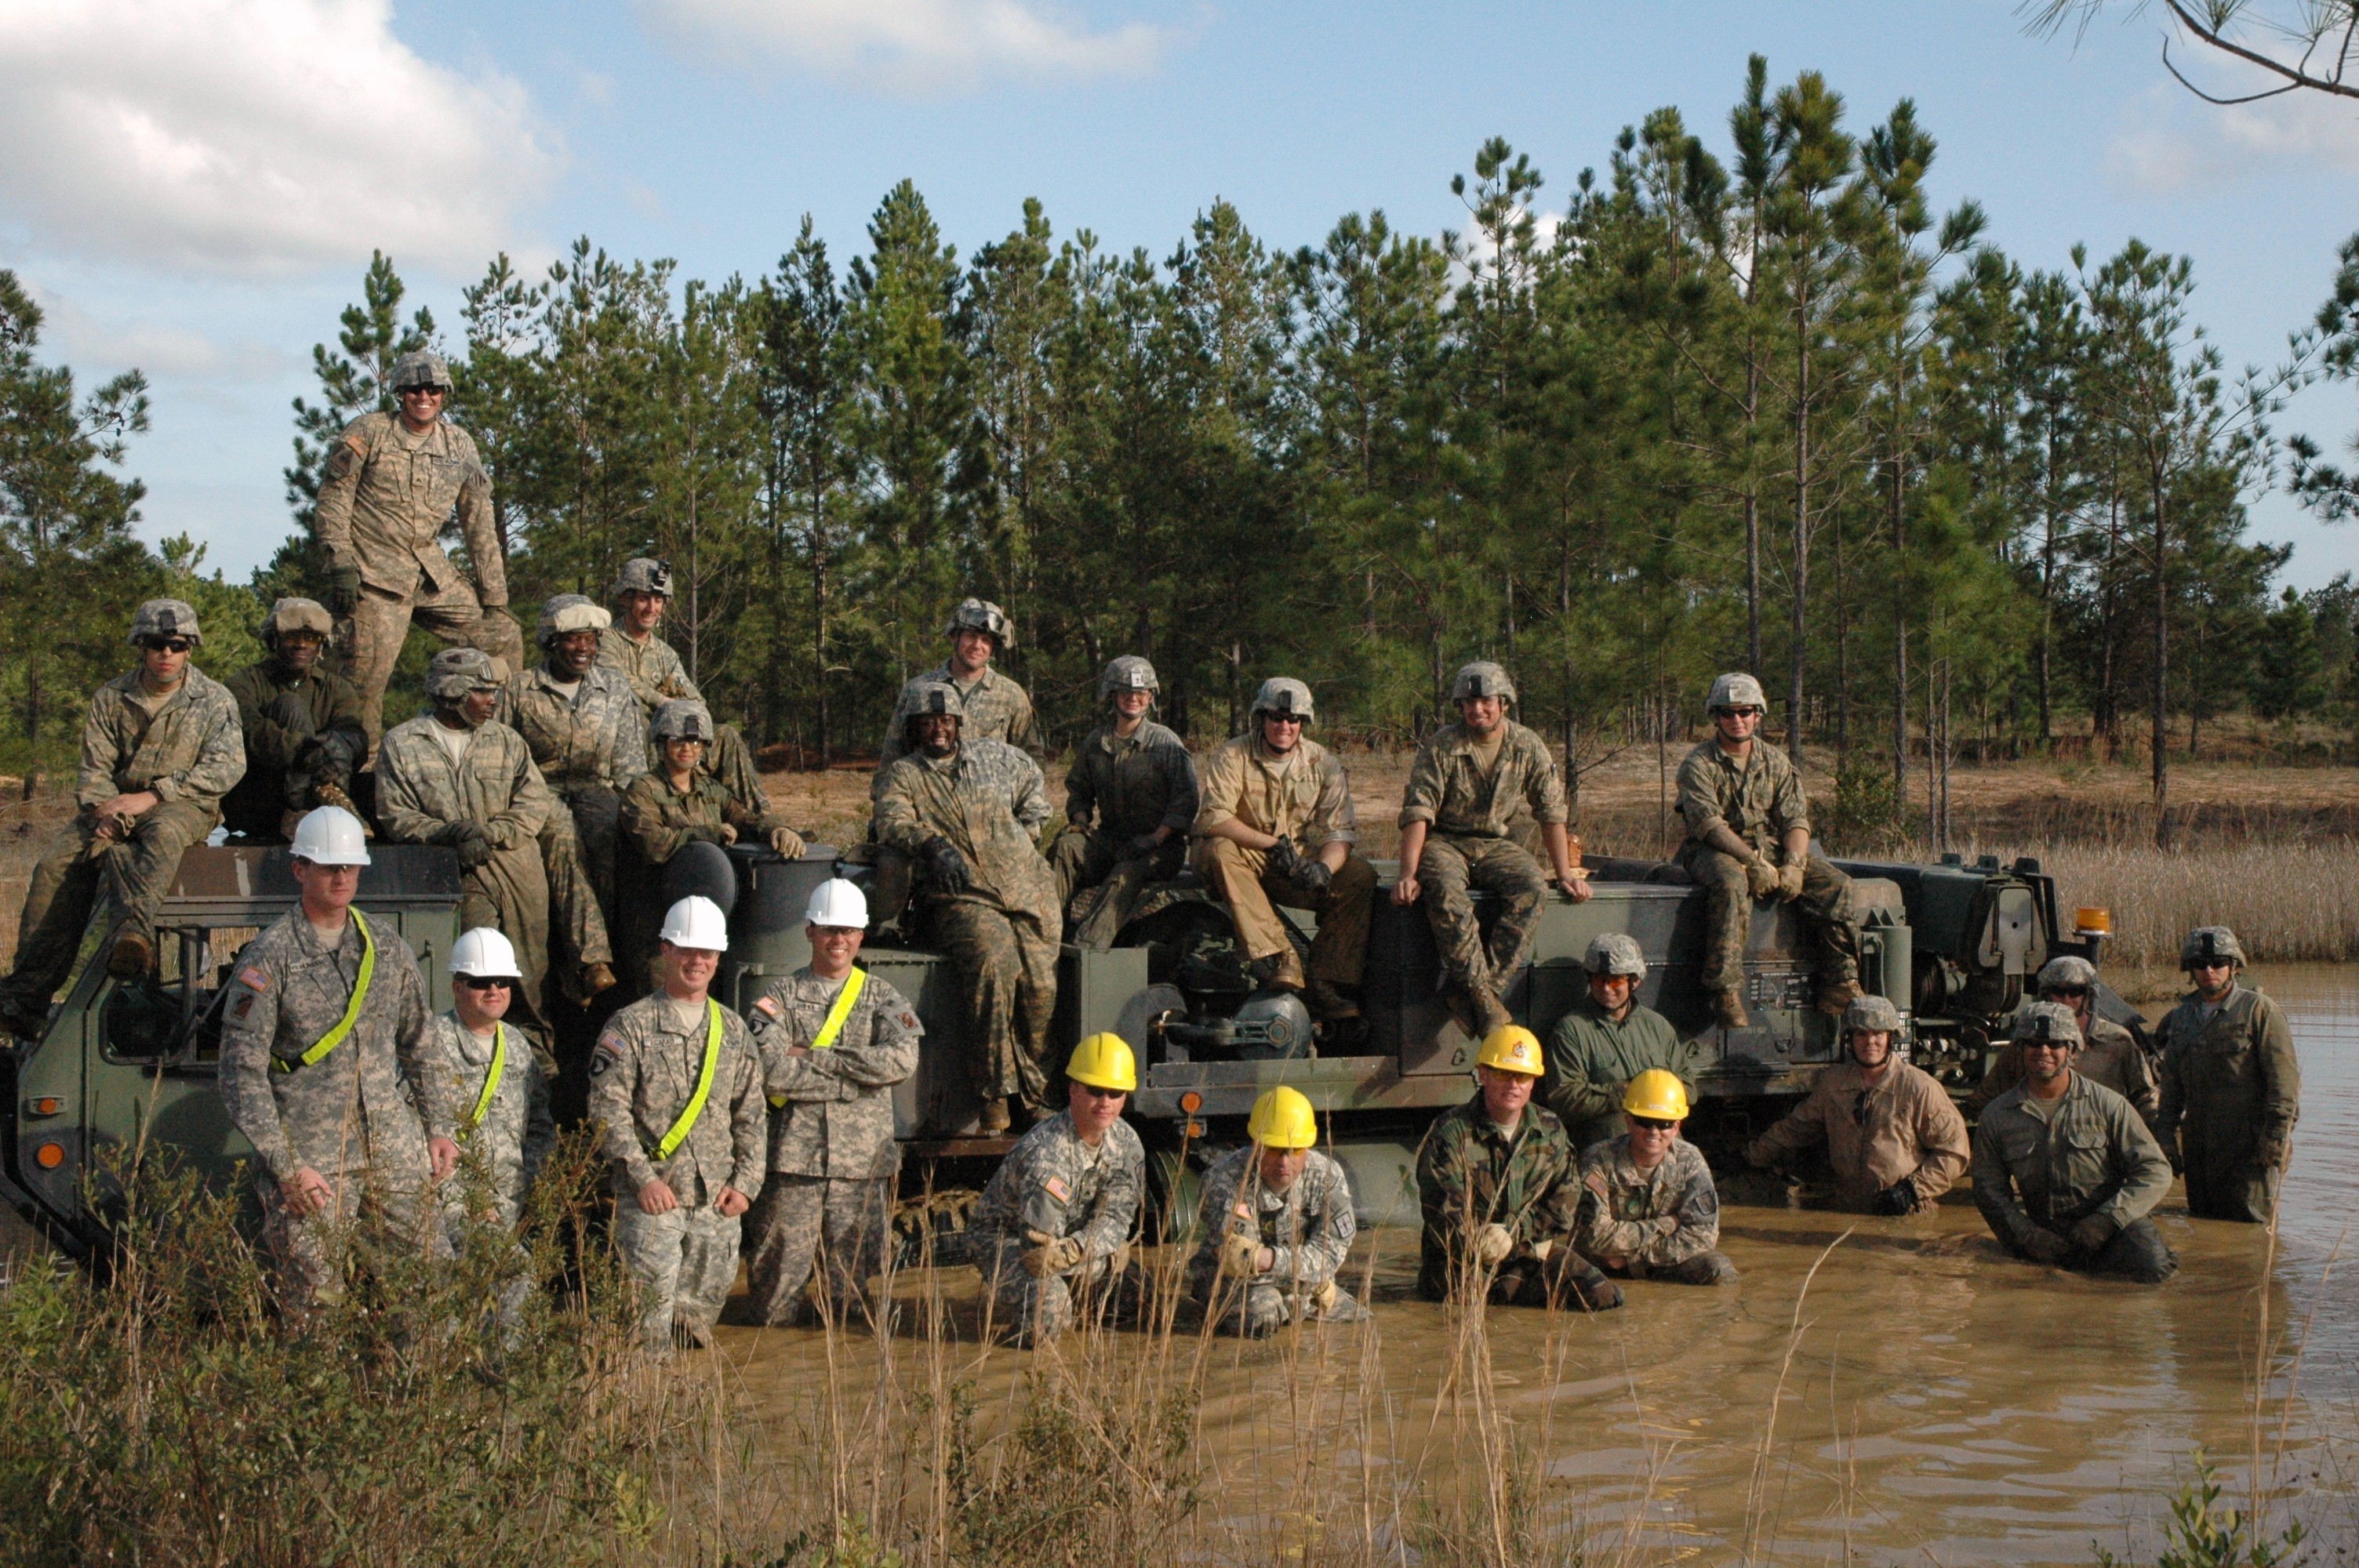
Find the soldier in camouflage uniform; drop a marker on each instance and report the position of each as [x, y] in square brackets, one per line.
[457, 776]
[1648, 1205]
[493, 1083]
[1465, 789]
[585, 729]
[304, 739]
[1496, 1182]
[1276, 826]
[2231, 1087]
[1058, 1217]
[387, 489]
[1894, 1138]
[2109, 1054]
[966, 812]
[1276, 1224]
[1130, 802]
[1749, 836]
[159, 747]
[631, 648]
[2065, 1172]
[1608, 1039]
[340, 1113]
[835, 1040]
[676, 1209]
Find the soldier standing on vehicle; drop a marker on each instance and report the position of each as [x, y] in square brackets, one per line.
[586, 733]
[1276, 1224]
[159, 747]
[457, 776]
[2231, 1087]
[304, 739]
[1130, 802]
[2109, 1054]
[1276, 826]
[1057, 1217]
[966, 813]
[835, 1040]
[1749, 838]
[1608, 1039]
[1463, 791]
[328, 1069]
[2065, 1172]
[1498, 1183]
[494, 1085]
[388, 486]
[1894, 1138]
[676, 1089]
[631, 647]
[1649, 1209]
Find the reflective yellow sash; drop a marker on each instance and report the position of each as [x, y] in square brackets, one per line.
[491, 1079]
[695, 1106]
[335, 1037]
[845, 999]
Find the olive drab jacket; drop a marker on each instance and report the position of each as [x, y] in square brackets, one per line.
[1130, 787]
[837, 1116]
[2086, 1153]
[286, 720]
[2230, 1081]
[658, 818]
[1760, 799]
[1308, 1227]
[385, 495]
[1905, 1128]
[992, 707]
[2109, 1054]
[1650, 1219]
[989, 800]
[1448, 789]
[1472, 1173]
[643, 1075]
[516, 1131]
[191, 748]
[1054, 1183]
[1593, 1056]
[1302, 795]
[595, 738]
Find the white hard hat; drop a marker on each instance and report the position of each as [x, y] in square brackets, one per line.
[837, 902]
[330, 837]
[696, 921]
[484, 953]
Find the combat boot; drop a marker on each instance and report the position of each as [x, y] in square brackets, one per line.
[1837, 995]
[1280, 972]
[596, 978]
[132, 956]
[994, 1119]
[1728, 1010]
[1328, 1002]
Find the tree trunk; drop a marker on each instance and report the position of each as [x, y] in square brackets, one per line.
[1898, 516]
[2161, 659]
[1801, 619]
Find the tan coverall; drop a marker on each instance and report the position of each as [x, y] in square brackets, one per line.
[1300, 794]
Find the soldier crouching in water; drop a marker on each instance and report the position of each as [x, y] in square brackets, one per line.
[1648, 1208]
[1276, 1223]
[302, 725]
[1130, 802]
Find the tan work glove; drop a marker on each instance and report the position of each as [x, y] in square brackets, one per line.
[788, 843]
[1542, 1248]
[1492, 1244]
[1323, 1300]
[1760, 876]
[1239, 1255]
[1789, 879]
[1051, 1254]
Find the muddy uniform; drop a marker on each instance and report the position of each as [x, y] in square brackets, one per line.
[657, 820]
[1663, 1223]
[1303, 796]
[301, 731]
[502, 1141]
[642, 1077]
[359, 1115]
[1117, 792]
[1309, 1228]
[384, 495]
[1001, 932]
[2109, 1054]
[2050, 1165]
[189, 750]
[1591, 1057]
[590, 745]
[2231, 1091]
[1468, 807]
[656, 676]
[1905, 1128]
[1470, 1174]
[424, 797]
[993, 708]
[833, 1158]
[1053, 1186]
[1760, 800]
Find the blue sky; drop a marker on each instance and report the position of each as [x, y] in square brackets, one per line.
[209, 177]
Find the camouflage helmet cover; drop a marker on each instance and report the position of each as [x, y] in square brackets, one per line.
[1614, 953]
[567, 613]
[1284, 696]
[420, 367]
[455, 671]
[930, 697]
[642, 574]
[2211, 943]
[1872, 1012]
[296, 615]
[1128, 672]
[165, 617]
[981, 615]
[2045, 1020]
[2067, 973]
[684, 719]
[1481, 679]
[1736, 689]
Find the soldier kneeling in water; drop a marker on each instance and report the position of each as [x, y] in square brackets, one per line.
[1276, 1222]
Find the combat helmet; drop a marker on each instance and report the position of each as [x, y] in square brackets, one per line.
[2208, 944]
[1481, 679]
[1614, 953]
[1128, 672]
[455, 671]
[1736, 689]
[1871, 1013]
[930, 697]
[567, 613]
[1284, 696]
[684, 719]
[420, 367]
[2067, 972]
[165, 617]
[2045, 1020]
[297, 615]
[642, 574]
[981, 615]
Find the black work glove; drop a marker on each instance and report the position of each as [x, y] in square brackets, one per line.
[344, 590]
[1312, 874]
[945, 867]
[1900, 1197]
[2092, 1234]
[1284, 859]
[2046, 1246]
[1141, 847]
[290, 711]
[470, 839]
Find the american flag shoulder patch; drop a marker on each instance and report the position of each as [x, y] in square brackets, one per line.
[254, 977]
[769, 1004]
[1058, 1189]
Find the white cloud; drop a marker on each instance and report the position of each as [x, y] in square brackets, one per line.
[2176, 143]
[76, 337]
[253, 136]
[917, 47]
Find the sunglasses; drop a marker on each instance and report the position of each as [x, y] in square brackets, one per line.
[1096, 1093]
[486, 982]
[2045, 1044]
[1283, 718]
[1651, 1125]
[168, 644]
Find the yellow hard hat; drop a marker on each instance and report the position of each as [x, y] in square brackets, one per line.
[1282, 1119]
[1512, 1048]
[1656, 1095]
[1104, 1062]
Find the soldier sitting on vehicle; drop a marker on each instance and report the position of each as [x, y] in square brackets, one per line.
[2109, 1054]
[2065, 1172]
[1130, 802]
[1894, 1138]
[159, 747]
[1276, 1224]
[1606, 1040]
[2231, 1087]
[966, 812]
[1464, 788]
[676, 1089]
[1057, 1219]
[1276, 826]
[1749, 838]
[632, 647]
[302, 726]
[1499, 1186]
[1649, 1209]
[835, 1040]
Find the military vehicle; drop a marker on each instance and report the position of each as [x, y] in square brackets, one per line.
[1954, 946]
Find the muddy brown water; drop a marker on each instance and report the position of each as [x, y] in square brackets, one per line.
[1937, 1402]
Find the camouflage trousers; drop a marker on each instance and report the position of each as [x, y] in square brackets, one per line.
[802, 1222]
[1241, 878]
[1563, 1281]
[1090, 862]
[1826, 906]
[1454, 868]
[76, 869]
[2225, 1177]
[311, 1255]
[597, 814]
[1026, 1311]
[684, 1260]
[1007, 967]
[372, 639]
[1258, 1309]
[514, 892]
